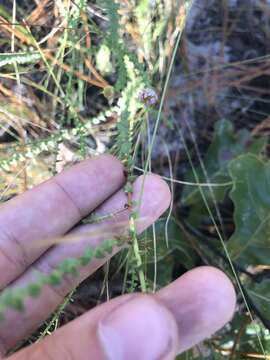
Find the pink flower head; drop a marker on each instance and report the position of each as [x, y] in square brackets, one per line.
[148, 97]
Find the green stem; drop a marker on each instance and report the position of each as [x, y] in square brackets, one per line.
[139, 263]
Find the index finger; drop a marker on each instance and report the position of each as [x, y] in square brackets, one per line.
[51, 209]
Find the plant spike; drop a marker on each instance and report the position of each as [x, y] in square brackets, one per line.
[15, 298]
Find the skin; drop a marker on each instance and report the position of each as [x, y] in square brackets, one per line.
[133, 326]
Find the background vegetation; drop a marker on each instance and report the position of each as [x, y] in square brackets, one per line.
[72, 77]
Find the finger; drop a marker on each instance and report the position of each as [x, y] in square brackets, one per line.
[154, 201]
[202, 301]
[116, 330]
[51, 209]
[139, 326]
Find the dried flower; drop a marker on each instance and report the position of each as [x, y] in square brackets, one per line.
[108, 92]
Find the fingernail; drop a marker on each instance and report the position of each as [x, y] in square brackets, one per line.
[139, 329]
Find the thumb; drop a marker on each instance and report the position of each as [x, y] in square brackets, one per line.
[130, 327]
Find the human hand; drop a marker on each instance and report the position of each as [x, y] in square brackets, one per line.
[132, 326]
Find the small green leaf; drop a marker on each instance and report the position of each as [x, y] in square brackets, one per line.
[69, 266]
[55, 278]
[14, 300]
[128, 188]
[99, 253]
[34, 290]
[108, 245]
[87, 257]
